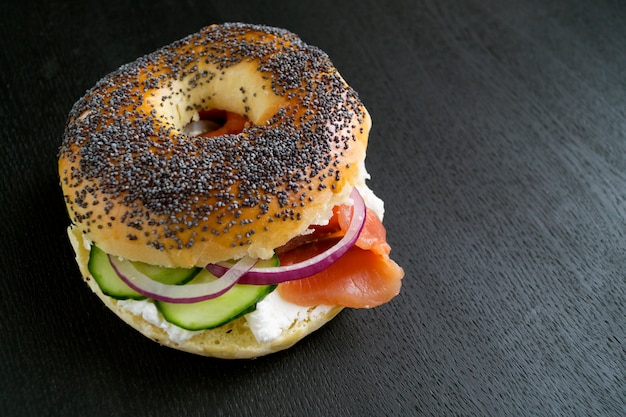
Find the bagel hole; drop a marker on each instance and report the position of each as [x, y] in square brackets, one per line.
[216, 122]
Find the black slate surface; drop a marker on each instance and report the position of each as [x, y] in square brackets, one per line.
[499, 146]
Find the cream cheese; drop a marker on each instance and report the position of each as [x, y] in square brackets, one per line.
[372, 201]
[148, 311]
[274, 315]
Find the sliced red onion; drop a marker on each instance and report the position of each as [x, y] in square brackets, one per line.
[276, 275]
[190, 293]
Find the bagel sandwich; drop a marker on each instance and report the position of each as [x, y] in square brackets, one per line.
[216, 190]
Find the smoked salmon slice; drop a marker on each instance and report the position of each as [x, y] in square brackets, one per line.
[373, 236]
[364, 277]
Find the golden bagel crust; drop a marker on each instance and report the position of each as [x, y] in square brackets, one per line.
[140, 188]
[231, 341]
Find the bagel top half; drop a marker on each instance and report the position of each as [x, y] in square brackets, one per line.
[140, 188]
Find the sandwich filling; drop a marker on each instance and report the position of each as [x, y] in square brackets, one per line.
[271, 315]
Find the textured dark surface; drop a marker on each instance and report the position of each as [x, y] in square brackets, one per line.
[499, 145]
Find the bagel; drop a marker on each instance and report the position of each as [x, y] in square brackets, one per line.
[145, 179]
[144, 190]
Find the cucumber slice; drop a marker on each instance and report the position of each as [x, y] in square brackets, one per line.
[209, 314]
[113, 286]
[170, 276]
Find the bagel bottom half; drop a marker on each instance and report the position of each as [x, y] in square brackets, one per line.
[232, 341]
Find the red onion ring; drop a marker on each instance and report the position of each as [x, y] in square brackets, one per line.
[190, 293]
[276, 275]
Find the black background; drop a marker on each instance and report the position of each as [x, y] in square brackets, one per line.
[499, 146]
